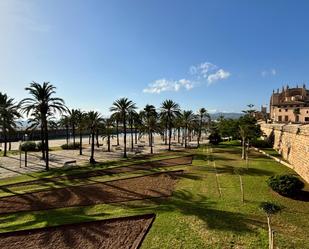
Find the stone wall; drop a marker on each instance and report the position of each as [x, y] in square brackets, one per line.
[292, 142]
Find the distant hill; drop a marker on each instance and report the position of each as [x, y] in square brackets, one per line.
[232, 115]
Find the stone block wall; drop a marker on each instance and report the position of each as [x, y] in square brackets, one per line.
[292, 142]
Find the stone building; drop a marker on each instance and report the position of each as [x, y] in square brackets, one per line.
[290, 105]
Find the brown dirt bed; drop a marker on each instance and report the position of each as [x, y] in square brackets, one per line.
[136, 188]
[120, 233]
[185, 160]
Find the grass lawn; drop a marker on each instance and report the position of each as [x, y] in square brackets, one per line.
[196, 216]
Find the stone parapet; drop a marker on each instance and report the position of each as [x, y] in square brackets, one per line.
[292, 142]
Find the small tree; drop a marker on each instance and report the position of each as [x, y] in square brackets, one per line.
[248, 129]
[270, 209]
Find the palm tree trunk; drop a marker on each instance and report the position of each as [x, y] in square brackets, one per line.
[46, 141]
[132, 146]
[5, 142]
[186, 135]
[73, 131]
[10, 145]
[97, 138]
[67, 134]
[92, 161]
[117, 131]
[151, 141]
[178, 134]
[43, 143]
[170, 135]
[199, 132]
[124, 137]
[135, 134]
[109, 143]
[80, 142]
[166, 129]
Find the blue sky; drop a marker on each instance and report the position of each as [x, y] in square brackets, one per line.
[221, 54]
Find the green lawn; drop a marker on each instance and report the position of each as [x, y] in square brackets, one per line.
[196, 216]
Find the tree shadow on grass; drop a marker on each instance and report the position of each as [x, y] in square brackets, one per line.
[200, 206]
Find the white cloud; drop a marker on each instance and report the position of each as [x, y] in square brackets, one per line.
[202, 69]
[164, 85]
[271, 72]
[219, 75]
[201, 73]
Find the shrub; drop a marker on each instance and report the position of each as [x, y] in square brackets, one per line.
[39, 145]
[28, 146]
[261, 143]
[270, 208]
[70, 146]
[214, 138]
[287, 185]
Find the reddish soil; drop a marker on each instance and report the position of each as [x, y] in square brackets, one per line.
[121, 233]
[121, 169]
[137, 188]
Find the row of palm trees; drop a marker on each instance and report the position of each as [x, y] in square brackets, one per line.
[42, 107]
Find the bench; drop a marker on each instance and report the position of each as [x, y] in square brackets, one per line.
[67, 163]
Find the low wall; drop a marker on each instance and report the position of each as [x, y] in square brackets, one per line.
[292, 142]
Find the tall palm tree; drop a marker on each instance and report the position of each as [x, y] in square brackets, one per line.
[73, 122]
[187, 117]
[150, 124]
[94, 120]
[43, 102]
[108, 132]
[116, 118]
[148, 112]
[35, 122]
[65, 123]
[132, 117]
[170, 110]
[202, 114]
[178, 126]
[123, 106]
[80, 118]
[9, 113]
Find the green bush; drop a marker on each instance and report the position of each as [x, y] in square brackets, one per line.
[70, 146]
[258, 143]
[214, 138]
[28, 146]
[39, 145]
[287, 185]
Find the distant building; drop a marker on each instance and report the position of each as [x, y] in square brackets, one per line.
[291, 105]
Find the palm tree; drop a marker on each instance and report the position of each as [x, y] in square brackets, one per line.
[35, 122]
[9, 112]
[150, 125]
[73, 122]
[94, 120]
[80, 118]
[132, 117]
[178, 126]
[108, 132]
[201, 113]
[170, 110]
[43, 102]
[116, 118]
[123, 106]
[65, 122]
[187, 117]
[148, 112]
